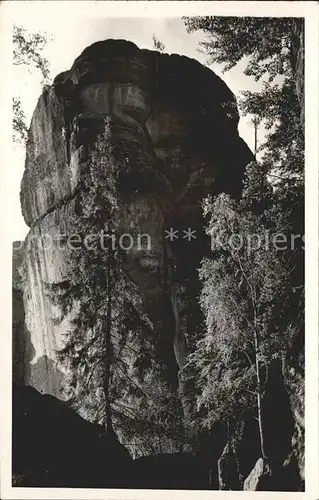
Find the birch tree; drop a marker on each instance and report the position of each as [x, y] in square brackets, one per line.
[246, 287]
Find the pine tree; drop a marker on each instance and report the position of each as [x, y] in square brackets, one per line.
[89, 292]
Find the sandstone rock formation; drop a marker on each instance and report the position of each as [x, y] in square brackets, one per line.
[174, 136]
[251, 483]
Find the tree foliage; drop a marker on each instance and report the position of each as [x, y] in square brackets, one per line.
[266, 41]
[20, 129]
[157, 44]
[266, 48]
[28, 51]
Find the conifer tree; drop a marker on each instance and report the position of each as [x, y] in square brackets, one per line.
[90, 289]
[113, 376]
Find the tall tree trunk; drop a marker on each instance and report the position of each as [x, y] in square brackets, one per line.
[297, 59]
[256, 122]
[259, 399]
[181, 350]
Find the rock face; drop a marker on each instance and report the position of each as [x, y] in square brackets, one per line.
[173, 133]
[294, 378]
[228, 476]
[294, 373]
[22, 348]
[153, 99]
[259, 471]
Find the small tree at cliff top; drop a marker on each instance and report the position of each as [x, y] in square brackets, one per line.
[27, 51]
[158, 45]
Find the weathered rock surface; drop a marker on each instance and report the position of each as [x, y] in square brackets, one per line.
[173, 128]
[228, 474]
[154, 99]
[22, 351]
[294, 379]
[45, 261]
[271, 476]
[259, 472]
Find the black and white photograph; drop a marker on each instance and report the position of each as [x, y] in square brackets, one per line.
[157, 239]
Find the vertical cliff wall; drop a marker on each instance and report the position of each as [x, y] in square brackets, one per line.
[174, 138]
[20, 357]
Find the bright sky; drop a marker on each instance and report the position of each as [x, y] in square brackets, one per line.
[70, 36]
